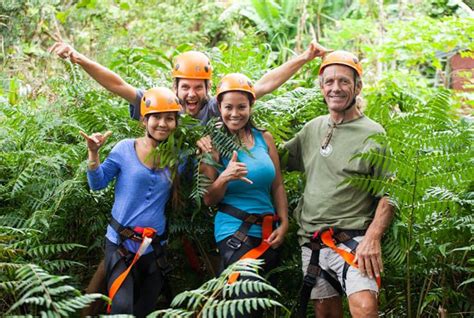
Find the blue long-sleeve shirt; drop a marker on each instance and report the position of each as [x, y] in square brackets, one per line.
[141, 193]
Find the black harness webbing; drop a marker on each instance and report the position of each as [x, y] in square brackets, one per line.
[248, 219]
[314, 271]
[128, 233]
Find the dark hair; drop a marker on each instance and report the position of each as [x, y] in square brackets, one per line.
[176, 200]
[250, 97]
[176, 117]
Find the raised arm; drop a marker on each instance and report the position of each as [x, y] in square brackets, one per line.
[276, 77]
[105, 77]
[98, 176]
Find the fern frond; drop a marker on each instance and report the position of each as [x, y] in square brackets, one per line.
[40, 289]
[211, 299]
[234, 306]
[192, 298]
[172, 313]
[50, 249]
[247, 286]
[201, 183]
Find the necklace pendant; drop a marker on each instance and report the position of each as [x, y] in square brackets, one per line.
[325, 152]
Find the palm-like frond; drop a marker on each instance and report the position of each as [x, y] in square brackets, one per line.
[214, 298]
[47, 294]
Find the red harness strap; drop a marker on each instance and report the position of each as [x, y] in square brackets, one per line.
[147, 236]
[267, 228]
[349, 258]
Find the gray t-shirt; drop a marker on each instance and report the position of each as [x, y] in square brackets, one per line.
[209, 110]
[327, 200]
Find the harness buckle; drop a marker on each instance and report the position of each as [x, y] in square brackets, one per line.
[309, 280]
[233, 243]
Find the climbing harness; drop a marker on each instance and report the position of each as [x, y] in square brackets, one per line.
[147, 237]
[266, 220]
[328, 237]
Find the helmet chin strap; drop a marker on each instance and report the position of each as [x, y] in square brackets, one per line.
[150, 136]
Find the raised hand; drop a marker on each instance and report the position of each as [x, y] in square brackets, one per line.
[64, 50]
[96, 140]
[316, 50]
[205, 144]
[236, 170]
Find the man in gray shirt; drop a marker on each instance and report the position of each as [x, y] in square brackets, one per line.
[324, 150]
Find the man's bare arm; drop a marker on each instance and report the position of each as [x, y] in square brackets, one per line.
[278, 76]
[105, 77]
[369, 251]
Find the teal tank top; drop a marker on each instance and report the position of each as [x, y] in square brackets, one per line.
[252, 198]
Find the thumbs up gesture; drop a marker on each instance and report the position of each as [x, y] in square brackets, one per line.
[96, 140]
[236, 170]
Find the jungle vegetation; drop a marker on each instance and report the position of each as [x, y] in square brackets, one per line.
[52, 225]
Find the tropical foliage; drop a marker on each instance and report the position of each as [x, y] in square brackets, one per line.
[51, 225]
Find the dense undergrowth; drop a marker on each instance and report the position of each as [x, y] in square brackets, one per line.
[51, 225]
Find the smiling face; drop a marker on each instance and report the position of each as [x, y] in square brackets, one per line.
[339, 87]
[193, 94]
[235, 110]
[160, 125]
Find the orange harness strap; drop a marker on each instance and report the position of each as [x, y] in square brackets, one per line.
[147, 237]
[267, 228]
[349, 258]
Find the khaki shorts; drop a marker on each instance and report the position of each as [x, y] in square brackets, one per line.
[333, 263]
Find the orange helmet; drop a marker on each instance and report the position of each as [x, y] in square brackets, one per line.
[344, 58]
[235, 82]
[159, 100]
[193, 65]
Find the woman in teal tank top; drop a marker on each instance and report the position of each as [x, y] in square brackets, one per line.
[250, 185]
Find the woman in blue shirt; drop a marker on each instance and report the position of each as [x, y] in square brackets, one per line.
[134, 252]
[251, 185]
